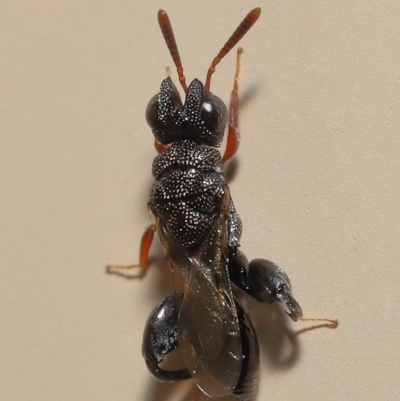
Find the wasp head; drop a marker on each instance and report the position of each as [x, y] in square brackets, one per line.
[202, 118]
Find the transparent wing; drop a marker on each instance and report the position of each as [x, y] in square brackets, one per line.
[208, 327]
[209, 334]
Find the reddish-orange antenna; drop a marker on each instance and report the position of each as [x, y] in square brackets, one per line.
[169, 38]
[241, 30]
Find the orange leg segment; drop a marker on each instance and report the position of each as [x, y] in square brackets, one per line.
[145, 245]
[159, 146]
[147, 240]
[233, 140]
[319, 323]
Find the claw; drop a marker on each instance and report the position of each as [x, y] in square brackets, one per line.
[295, 311]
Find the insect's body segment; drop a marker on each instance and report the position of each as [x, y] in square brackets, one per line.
[189, 176]
[198, 225]
[200, 232]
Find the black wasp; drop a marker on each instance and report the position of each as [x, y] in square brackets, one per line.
[200, 231]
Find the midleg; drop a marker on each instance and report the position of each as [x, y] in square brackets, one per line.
[147, 240]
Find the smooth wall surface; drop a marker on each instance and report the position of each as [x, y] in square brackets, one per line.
[316, 182]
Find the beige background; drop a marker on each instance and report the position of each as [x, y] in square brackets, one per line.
[317, 186]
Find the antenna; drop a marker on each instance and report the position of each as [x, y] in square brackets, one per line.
[168, 33]
[240, 31]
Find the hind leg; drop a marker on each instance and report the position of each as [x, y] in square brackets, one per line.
[160, 337]
[263, 280]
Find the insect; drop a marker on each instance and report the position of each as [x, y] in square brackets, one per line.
[200, 231]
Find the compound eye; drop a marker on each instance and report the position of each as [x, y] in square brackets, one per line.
[213, 113]
[152, 111]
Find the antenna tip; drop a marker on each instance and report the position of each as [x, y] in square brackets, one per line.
[162, 16]
[254, 14]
